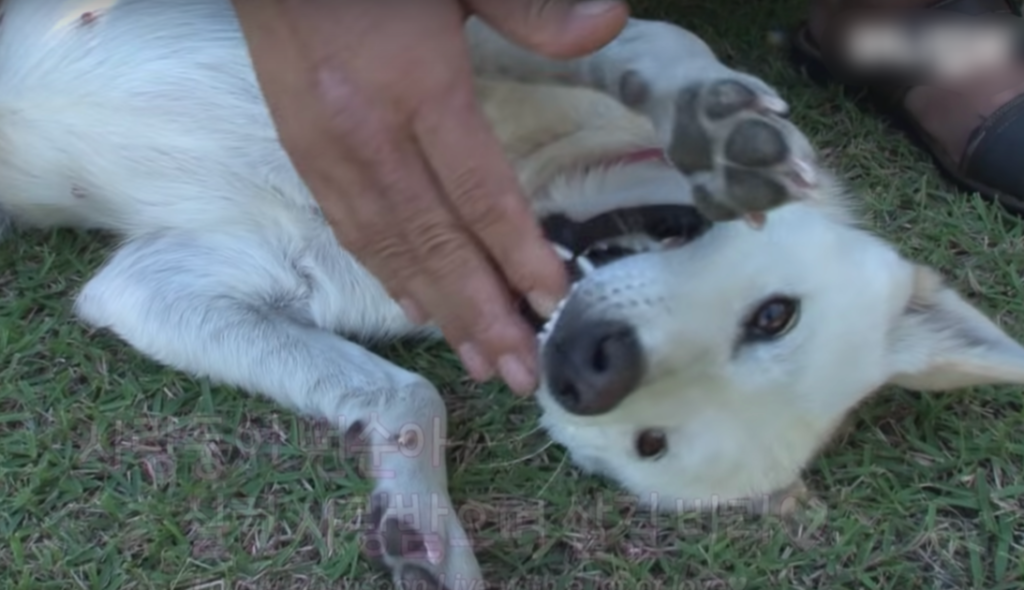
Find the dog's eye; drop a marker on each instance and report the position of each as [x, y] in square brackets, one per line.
[773, 318]
[651, 444]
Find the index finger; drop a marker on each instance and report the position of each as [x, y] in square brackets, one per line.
[481, 185]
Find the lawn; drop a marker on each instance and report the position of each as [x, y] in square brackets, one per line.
[117, 473]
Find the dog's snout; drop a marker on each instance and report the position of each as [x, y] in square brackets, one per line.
[592, 366]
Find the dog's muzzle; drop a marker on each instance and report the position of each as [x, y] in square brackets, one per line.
[592, 243]
[592, 364]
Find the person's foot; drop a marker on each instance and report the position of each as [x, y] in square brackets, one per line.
[973, 126]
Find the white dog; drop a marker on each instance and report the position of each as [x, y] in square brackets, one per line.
[699, 359]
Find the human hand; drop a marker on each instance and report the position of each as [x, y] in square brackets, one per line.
[373, 100]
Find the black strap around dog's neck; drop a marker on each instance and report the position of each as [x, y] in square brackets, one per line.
[660, 222]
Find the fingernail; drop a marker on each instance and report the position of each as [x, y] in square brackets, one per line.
[543, 305]
[475, 363]
[515, 374]
[595, 7]
[412, 311]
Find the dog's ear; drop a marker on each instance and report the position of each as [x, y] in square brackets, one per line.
[941, 342]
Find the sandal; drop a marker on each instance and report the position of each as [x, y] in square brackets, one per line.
[990, 163]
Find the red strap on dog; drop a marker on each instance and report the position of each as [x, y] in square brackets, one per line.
[654, 154]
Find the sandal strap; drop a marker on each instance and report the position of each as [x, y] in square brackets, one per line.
[992, 156]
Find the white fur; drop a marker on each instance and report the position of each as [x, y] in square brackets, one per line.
[147, 122]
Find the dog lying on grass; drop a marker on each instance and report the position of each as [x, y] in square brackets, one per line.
[728, 312]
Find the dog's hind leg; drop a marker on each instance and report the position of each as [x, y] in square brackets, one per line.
[231, 309]
[726, 130]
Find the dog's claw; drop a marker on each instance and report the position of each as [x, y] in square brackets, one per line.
[755, 220]
[744, 158]
[805, 173]
[773, 105]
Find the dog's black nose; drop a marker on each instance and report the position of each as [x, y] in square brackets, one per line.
[591, 366]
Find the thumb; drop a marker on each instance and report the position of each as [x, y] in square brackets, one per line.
[559, 29]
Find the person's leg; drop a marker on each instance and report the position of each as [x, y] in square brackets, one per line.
[974, 129]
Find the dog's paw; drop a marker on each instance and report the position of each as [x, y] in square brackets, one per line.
[787, 502]
[729, 133]
[419, 541]
[743, 155]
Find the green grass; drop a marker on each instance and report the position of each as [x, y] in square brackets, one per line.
[117, 473]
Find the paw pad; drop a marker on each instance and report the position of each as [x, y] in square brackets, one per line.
[394, 544]
[741, 153]
[726, 98]
[414, 577]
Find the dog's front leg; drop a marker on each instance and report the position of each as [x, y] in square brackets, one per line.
[727, 130]
[229, 308]
[645, 67]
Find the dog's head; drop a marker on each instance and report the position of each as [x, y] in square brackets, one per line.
[697, 362]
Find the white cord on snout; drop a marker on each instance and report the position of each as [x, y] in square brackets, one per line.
[562, 252]
[585, 266]
[549, 325]
[582, 262]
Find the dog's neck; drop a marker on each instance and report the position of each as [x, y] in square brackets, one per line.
[549, 132]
